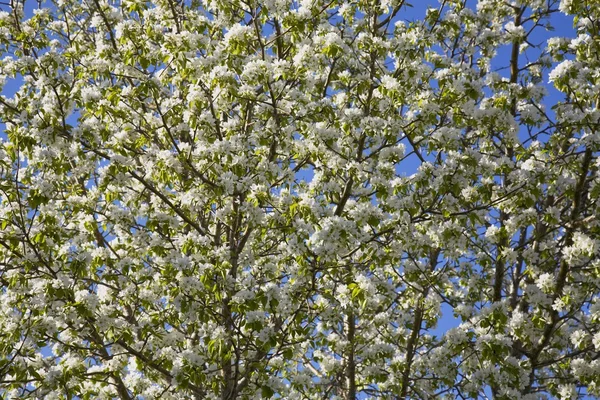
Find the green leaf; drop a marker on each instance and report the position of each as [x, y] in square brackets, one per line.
[266, 392]
[288, 354]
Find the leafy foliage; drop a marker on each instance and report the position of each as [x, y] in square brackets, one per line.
[206, 199]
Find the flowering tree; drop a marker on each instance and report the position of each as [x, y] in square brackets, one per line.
[206, 200]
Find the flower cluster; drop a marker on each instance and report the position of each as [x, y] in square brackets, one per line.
[225, 199]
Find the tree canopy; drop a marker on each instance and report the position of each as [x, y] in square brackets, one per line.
[246, 199]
